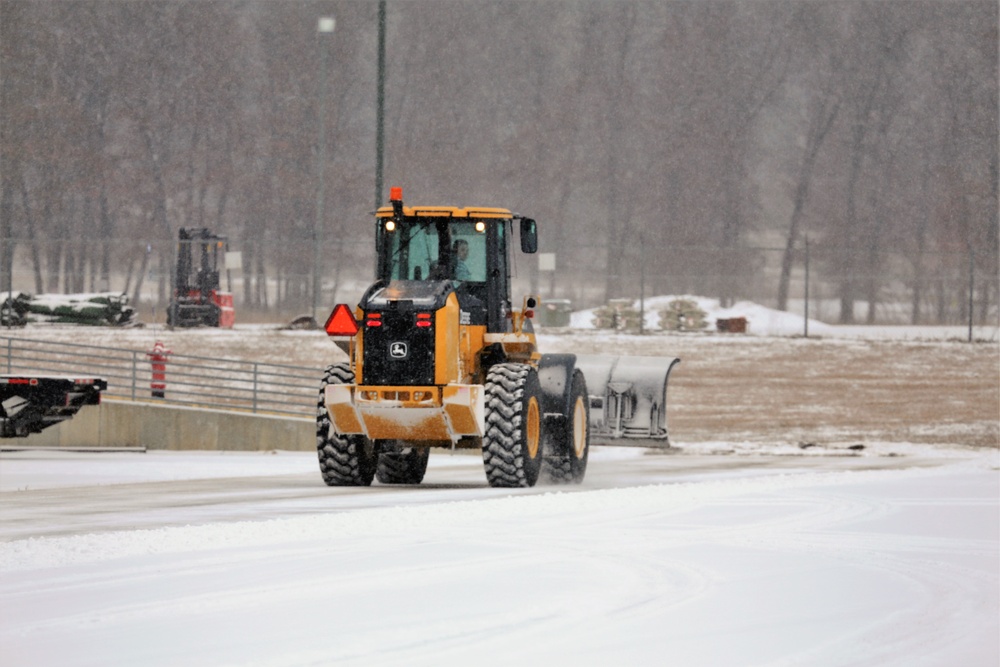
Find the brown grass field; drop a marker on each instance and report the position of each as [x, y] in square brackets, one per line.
[824, 391]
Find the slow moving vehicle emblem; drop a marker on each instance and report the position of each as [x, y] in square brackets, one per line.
[398, 350]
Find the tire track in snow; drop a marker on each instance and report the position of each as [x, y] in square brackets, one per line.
[949, 593]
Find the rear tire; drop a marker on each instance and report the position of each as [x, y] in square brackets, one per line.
[399, 463]
[344, 460]
[512, 445]
[570, 442]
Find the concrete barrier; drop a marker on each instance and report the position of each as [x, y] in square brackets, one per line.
[163, 426]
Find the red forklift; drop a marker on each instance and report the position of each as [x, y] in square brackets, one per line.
[197, 300]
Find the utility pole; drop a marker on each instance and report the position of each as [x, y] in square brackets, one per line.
[972, 287]
[806, 318]
[642, 286]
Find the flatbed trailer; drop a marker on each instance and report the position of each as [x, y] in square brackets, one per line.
[31, 403]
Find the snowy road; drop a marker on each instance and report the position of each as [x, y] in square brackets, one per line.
[64, 493]
[692, 559]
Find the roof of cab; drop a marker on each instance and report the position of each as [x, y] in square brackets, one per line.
[447, 211]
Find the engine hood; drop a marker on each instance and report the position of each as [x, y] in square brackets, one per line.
[424, 294]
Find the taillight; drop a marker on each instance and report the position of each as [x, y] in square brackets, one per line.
[374, 320]
[423, 319]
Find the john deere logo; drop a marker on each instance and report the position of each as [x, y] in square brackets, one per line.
[398, 350]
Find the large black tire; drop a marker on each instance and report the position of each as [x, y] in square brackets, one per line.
[512, 445]
[399, 463]
[568, 442]
[212, 316]
[344, 460]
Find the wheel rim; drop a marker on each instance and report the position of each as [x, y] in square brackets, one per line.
[579, 427]
[533, 427]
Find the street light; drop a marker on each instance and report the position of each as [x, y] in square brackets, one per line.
[380, 106]
[324, 27]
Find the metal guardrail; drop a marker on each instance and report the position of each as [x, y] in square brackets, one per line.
[208, 382]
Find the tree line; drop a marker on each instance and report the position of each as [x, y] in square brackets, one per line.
[630, 130]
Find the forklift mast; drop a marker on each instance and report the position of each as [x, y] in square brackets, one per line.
[197, 299]
[198, 261]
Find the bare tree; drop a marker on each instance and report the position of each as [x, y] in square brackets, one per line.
[703, 129]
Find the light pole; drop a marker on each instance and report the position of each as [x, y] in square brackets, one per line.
[324, 27]
[380, 106]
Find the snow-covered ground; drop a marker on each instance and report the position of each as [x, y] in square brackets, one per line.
[880, 559]
[727, 553]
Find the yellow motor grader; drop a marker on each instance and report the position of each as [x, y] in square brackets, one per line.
[438, 357]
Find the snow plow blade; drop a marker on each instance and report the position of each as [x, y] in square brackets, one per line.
[628, 399]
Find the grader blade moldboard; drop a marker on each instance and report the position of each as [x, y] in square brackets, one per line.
[628, 399]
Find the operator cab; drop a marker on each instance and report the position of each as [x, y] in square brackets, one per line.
[426, 253]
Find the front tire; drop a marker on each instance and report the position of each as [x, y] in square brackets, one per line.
[344, 460]
[399, 463]
[512, 445]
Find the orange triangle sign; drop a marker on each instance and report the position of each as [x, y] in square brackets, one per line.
[341, 322]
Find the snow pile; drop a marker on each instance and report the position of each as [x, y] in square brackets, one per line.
[769, 322]
[762, 321]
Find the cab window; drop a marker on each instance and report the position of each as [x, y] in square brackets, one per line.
[468, 251]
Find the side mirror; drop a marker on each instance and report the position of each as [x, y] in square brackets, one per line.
[529, 236]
